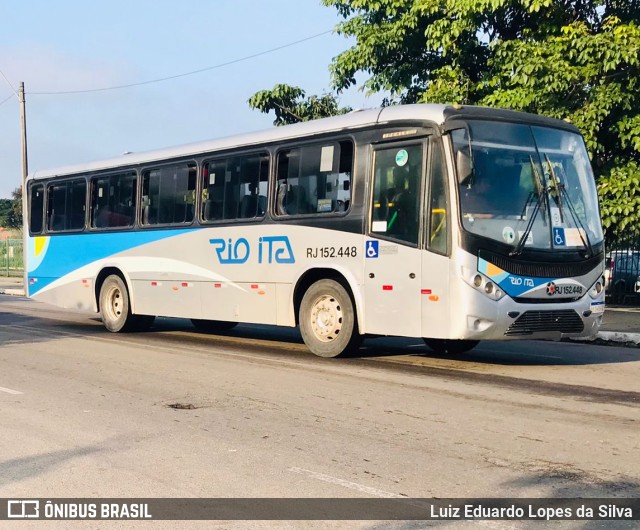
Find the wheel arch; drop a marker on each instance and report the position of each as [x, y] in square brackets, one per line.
[344, 277]
[104, 273]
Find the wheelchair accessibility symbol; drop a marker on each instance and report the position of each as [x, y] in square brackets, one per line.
[559, 239]
[372, 249]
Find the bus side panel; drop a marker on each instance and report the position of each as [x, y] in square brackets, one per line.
[76, 294]
[173, 298]
[437, 297]
[284, 305]
[239, 302]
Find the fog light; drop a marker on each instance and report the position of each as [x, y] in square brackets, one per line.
[477, 280]
[488, 288]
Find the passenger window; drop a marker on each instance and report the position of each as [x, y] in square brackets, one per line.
[396, 192]
[438, 210]
[36, 207]
[168, 194]
[235, 187]
[315, 179]
[66, 205]
[113, 200]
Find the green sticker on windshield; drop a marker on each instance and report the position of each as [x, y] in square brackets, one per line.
[402, 157]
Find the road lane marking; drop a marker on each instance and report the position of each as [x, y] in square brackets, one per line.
[9, 391]
[346, 484]
[385, 494]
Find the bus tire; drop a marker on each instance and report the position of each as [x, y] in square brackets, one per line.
[328, 320]
[115, 307]
[453, 347]
[212, 326]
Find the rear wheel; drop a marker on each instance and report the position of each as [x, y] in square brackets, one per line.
[212, 326]
[327, 320]
[453, 347]
[115, 307]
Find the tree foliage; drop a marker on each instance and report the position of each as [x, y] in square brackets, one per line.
[291, 105]
[566, 59]
[11, 210]
[574, 60]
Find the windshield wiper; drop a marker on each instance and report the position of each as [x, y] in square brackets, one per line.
[556, 184]
[542, 200]
[563, 191]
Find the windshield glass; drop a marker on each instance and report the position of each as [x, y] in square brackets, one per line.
[527, 186]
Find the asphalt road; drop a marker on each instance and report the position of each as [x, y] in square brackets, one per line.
[86, 413]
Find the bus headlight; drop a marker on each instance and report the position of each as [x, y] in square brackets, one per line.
[482, 284]
[596, 289]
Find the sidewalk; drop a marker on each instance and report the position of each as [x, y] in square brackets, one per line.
[620, 325]
[11, 285]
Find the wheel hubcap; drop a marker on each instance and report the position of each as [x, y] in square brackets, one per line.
[114, 303]
[326, 318]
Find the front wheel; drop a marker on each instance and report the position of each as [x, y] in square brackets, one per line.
[327, 320]
[115, 307]
[453, 347]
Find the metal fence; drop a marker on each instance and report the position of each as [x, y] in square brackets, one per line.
[11, 257]
[622, 269]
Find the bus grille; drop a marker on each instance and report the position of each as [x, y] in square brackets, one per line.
[564, 321]
[542, 270]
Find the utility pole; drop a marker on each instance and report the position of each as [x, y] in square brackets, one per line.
[25, 172]
[23, 124]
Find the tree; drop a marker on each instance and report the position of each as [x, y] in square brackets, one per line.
[291, 105]
[11, 210]
[5, 208]
[561, 58]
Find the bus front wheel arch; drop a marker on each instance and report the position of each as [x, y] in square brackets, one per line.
[327, 319]
[115, 307]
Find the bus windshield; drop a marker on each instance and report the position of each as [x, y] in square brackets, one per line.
[527, 186]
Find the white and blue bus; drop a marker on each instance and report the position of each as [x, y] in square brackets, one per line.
[450, 223]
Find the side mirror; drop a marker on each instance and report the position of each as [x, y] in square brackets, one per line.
[464, 166]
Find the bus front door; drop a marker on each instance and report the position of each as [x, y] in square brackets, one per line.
[393, 266]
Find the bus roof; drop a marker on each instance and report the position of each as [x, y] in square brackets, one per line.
[431, 112]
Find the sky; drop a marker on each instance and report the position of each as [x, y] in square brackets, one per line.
[71, 45]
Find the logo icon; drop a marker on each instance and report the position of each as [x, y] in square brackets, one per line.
[402, 157]
[26, 509]
[508, 234]
[551, 289]
[372, 249]
[559, 239]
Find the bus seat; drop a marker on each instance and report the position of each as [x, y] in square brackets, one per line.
[280, 197]
[296, 201]
[206, 211]
[148, 217]
[248, 207]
